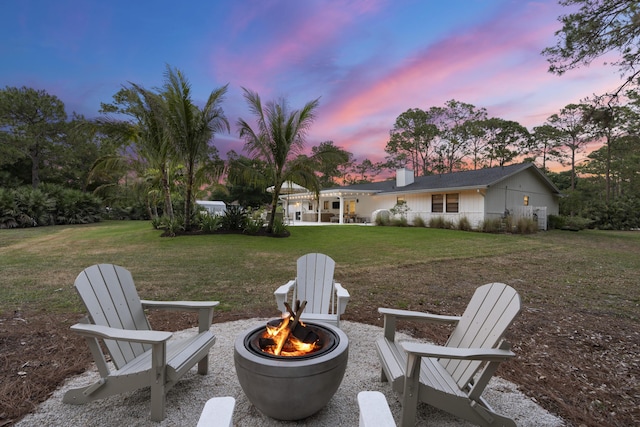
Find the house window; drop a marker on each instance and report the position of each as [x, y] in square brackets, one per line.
[452, 202]
[526, 200]
[351, 206]
[437, 202]
[326, 205]
[400, 199]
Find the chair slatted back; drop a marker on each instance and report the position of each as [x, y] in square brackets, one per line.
[314, 283]
[490, 312]
[111, 299]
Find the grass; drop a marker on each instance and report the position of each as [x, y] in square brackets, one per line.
[576, 337]
[39, 265]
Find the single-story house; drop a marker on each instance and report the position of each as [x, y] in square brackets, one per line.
[478, 195]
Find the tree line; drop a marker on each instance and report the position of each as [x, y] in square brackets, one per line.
[152, 152]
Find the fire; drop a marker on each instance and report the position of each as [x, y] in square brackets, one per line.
[280, 340]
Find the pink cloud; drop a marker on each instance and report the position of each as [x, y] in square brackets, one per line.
[496, 65]
[288, 41]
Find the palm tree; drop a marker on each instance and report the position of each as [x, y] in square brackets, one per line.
[151, 154]
[278, 140]
[190, 129]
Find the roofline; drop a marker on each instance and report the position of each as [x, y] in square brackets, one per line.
[528, 166]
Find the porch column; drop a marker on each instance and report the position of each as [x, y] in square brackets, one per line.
[319, 210]
[341, 217]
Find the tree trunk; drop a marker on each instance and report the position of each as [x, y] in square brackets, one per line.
[274, 206]
[35, 165]
[187, 201]
[168, 206]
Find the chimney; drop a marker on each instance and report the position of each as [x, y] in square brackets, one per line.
[404, 177]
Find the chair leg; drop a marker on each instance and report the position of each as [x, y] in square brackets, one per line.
[203, 365]
[410, 392]
[157, 401]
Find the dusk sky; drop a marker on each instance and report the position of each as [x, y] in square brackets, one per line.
[367, 60]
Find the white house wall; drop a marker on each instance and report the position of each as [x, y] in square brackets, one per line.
[470, 206]
[510, 193]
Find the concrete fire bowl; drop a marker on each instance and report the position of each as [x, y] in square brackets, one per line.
[290, 388]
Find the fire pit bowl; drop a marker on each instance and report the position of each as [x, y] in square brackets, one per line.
[291, 388]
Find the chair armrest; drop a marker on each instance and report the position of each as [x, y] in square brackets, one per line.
[438, 351]
[281, 294]
[374, 410]
[148, 337]
[217, 412]
[343, 297]
[418, 315]
[179, 305]
[204, 309]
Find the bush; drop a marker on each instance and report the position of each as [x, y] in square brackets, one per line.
[400, 222]
[491, 225]
[383, 218]
[574, 223]
[279, 227]
[254, 225]
[47, 205]
[526, 226]
[207, 222]
[464, 224]
[419, 222]
[172, 226]
[234, 219]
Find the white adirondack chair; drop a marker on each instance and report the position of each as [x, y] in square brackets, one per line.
[326, 299]
[374, 410]
[452, 377]
[142, 357]
[217, 412]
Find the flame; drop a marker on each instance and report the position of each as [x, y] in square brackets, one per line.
[285, 343]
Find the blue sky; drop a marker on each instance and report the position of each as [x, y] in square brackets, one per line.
[367, 60]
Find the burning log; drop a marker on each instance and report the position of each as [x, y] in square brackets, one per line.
[289, 332]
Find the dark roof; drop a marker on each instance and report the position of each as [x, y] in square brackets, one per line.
[456, 180]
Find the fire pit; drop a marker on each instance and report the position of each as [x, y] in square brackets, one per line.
[291, 385]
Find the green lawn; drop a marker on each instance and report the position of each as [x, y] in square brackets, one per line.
[39, 265]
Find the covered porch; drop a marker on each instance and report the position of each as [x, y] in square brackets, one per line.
[333, 206]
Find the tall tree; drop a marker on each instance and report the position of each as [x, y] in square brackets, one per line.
[609, 122]
[546, 143]
[190, 131]
[31, 124]
[573, 132]
[598, 27]
[153, 157]
[411, 140]
[278, 139]
[329, 166]
[508, 139]
[456, 135]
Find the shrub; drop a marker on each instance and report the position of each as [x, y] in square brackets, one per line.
[279, 227]
[508, 224]
[47, 205]
[491, 225]
[464, 224]
[172, 226]
[400, 222]
[254, 225]
[383, 218]
[234, 219]
[440, 222]
[208, 223]
[418, 221]
[526, 226]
